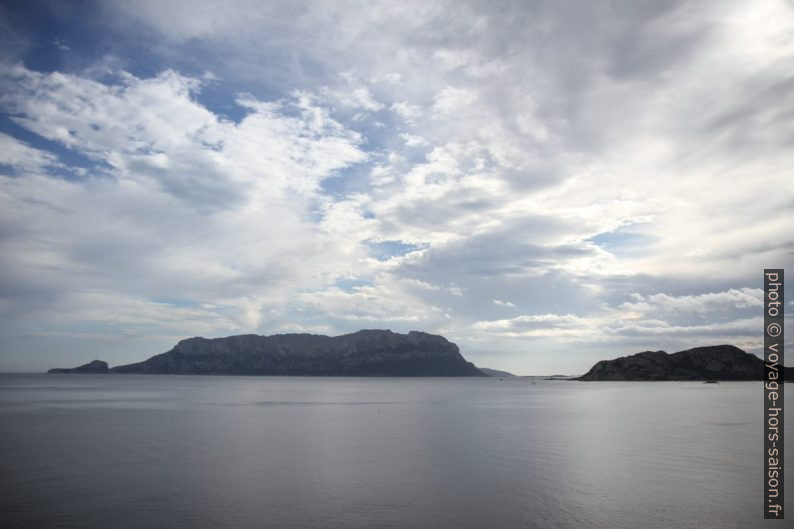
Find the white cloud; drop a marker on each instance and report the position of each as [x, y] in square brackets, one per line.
[451, 98]
[381, 304]
[353, 94]
[455, 290]
[392, 78]
[406, 110]
[413, 140]
[23, 157]
[153, 130]
[648, 318]
[733, 298]
[189, 207]
[537, 325]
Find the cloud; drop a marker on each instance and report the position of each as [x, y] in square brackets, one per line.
[413, 140]
[535, 325]
[406, 110]
[22, 157]
[733, 298]
[451, 98]
[367, 304]
[620, 174]
[181, 205]
[658, 321]
[353, 94]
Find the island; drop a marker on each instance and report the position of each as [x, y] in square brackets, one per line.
[712, 363]
[362, 353]
[96, 367]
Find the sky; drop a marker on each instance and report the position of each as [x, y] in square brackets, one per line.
[545, 183]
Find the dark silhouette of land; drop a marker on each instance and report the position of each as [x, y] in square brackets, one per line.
[716, 362]
[363, 353]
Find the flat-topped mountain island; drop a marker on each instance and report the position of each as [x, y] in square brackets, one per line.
[362, 353]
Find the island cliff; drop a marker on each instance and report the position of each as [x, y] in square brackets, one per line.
[363, 353]
[717, 362]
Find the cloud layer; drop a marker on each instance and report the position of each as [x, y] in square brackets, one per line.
[545, 184]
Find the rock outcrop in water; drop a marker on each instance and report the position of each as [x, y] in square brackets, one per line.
[717, 362]
[363, 353]
[96, 367]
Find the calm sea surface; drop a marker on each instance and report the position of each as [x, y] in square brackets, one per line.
[134, 451]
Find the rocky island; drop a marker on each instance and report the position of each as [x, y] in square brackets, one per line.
[717, 362]
[93, 368]
[363, 353]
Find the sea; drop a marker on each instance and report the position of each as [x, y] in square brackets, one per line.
[139, 451]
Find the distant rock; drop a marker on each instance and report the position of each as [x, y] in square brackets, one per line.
[96, 367]
[495, 372]
[717, 362]
[363, 353]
